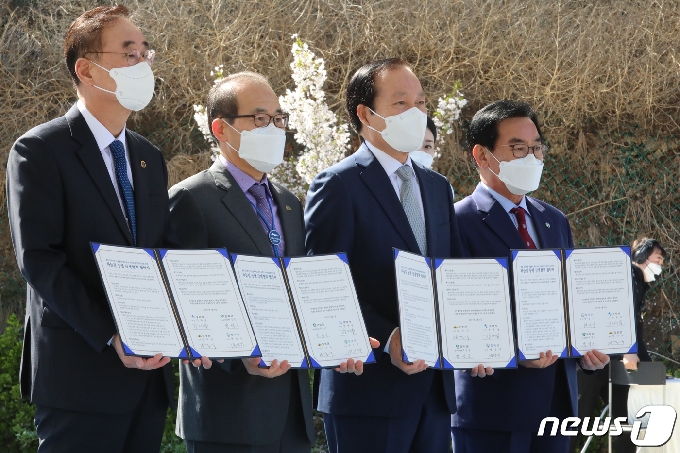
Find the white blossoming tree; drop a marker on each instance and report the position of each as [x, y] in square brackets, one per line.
[201, 115]
[324, 138]
[447, 113]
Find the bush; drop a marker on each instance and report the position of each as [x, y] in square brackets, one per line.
[17, 432]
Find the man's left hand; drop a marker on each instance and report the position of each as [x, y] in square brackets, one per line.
[594, 360]
[356, 367]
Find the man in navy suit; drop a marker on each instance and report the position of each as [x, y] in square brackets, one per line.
[503, 413]
[79, 178]
[372, 201]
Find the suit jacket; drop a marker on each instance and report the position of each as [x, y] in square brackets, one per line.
[225, 403]
[353, 208]
[511, 400]
[60, 197]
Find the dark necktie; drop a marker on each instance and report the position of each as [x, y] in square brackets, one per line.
[266, 219]
[521, 216]
[126, 192]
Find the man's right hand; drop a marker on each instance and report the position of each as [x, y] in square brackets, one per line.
[395, 356]
[139, 363]
[630, 361]
[273, 371]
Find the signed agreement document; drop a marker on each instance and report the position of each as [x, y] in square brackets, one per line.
[193, 303]
[181, 303]
[455, 313]
[303, 309]
[571, 301]
[600, 294]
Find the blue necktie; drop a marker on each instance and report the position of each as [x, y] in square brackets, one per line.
[126, 192]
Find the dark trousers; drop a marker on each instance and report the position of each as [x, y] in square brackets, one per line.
[293, 439]
[140, 431]
[483, 440]
[469, 440]
[595, 387]
[423, 431]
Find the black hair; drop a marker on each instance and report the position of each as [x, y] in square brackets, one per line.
[644, 247]
[223, 99]
[483, 129]
[432, 128]
[361, 87]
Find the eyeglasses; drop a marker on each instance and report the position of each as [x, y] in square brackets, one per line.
[263, 120]
[520, 150]
[135, 56]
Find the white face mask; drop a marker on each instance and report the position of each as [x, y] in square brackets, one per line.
[404, 132]
[261, 147]
[648, 274]
[520, 176]
[423, 158]
[655, 268]
[134, 85]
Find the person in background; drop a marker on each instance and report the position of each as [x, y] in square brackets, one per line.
[647, 256]
[81, 178]
[425, 155]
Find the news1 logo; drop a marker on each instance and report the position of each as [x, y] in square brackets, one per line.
[659, 426]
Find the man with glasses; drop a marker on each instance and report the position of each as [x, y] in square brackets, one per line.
[79, 178]
[236, 406]
[503, 412]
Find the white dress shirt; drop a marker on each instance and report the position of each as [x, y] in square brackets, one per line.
[104, 139]
[391, 165]
[508, 205]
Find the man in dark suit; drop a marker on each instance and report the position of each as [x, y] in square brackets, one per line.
[235, 406]
[365, 205]
[503, 413]
[79, 178]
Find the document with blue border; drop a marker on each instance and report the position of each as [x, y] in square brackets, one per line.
[455, 313]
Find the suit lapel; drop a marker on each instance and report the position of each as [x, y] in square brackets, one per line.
[496, 218]
[238, 205]
[290, 222]
[374, 176]
[141, 186]
[92, 160]
[541, 221]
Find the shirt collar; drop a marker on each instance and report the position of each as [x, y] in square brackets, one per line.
[389, 163]
[244, 180]
[101, 134]
[507, 204]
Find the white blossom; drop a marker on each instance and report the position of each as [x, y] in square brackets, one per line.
[317, 129]
[201, 116]
[447, 113]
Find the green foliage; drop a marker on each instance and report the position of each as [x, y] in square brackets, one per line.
[17, 432]
[171, 443]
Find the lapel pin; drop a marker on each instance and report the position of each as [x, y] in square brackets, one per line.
[143, 164]
[288, 208]
[547, 224]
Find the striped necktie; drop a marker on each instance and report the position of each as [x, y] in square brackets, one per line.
[411, 207]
